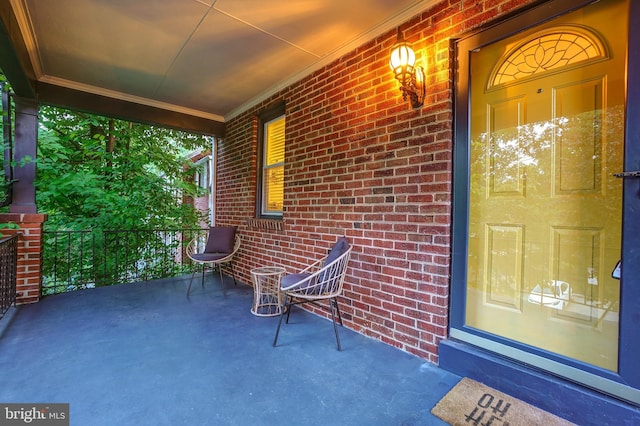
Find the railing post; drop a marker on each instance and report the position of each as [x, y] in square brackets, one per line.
[29, 273]
[26, 137]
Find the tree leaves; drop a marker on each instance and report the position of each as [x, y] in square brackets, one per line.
[101, 173]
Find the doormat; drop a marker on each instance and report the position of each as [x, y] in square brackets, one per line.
[472, 403]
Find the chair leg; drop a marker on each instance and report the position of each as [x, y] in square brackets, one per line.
[233, 273]
[191, 281]
[221, 279]
[288, 313]
[203, 269]
[338, 309]
[335, 327]
[284, 305]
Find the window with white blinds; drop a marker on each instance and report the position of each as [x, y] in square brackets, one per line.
[273, 167]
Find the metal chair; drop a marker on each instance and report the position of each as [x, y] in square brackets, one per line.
[217, 249]
[323, 280]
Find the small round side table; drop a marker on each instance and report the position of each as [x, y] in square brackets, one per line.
[267, 297]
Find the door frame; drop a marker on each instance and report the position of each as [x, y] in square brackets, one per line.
[630, 293]
[626, 384]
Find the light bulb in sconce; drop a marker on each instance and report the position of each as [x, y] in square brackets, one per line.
[411, 77]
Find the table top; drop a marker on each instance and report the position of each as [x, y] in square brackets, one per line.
[269, 270]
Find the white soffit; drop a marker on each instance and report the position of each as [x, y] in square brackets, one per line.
[212, 59]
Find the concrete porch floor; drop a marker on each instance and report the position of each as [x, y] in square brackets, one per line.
[145, 354]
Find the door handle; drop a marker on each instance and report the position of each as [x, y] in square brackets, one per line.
[635, 174]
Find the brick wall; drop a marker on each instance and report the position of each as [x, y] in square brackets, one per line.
[29, 273]
[361, 162]
[202, 204]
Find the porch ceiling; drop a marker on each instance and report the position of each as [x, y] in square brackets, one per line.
[204, 58]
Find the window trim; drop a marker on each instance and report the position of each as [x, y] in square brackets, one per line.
[205, 163]
[264, 117]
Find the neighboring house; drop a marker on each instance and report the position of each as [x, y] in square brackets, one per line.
[204, 181]
[488, 225]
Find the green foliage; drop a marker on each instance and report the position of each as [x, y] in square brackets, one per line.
[8, 225]
[101, 173]
[97, 175]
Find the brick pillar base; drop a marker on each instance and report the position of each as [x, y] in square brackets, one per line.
[29, 277]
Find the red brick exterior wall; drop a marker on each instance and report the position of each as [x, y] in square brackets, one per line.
[29, 274]
[361, 162]
[202, 204]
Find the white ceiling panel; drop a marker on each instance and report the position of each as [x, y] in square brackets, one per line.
[208, 58]
[318, 26]
[241, 59]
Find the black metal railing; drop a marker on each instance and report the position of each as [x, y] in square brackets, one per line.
[74, 260]
[8, 272]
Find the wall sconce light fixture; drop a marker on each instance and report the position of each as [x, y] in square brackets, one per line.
[410, 76]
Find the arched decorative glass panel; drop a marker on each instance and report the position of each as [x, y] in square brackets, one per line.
[557, 48]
